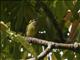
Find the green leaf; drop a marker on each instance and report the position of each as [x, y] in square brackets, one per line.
[25, 44]
[57, 55]
[68, 55]
[25, 55]
[78, 56]
[54, 57]
[3, 26]
[60, 10]
[69, 4]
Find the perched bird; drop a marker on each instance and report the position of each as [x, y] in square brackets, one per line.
[31, 29]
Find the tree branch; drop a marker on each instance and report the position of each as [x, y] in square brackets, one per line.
[45, 52]
[73, 47]
[73, 31]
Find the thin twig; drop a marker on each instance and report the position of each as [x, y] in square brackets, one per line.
[45, 52]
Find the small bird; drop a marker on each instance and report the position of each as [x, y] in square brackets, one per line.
[31, 29]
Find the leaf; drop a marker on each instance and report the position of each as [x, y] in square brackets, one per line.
[3, 26]
[69, 4]
[25, 44]
[54, 56]
[78, 56]
[68, 55]
[20, 16]
[60, 10]
[37, 48]
[57, 55]
[16, 39]
[25, 55]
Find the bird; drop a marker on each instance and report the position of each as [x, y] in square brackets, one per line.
[31, 29]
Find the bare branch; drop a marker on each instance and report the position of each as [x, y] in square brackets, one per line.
[51, 45]
[45, 52]
[72, 35]
[74, 46]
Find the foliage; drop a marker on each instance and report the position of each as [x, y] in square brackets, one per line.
[16, 15]
[13, 43]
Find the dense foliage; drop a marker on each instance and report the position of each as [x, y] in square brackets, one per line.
[53, 19]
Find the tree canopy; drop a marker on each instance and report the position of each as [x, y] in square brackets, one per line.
[53, 21]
